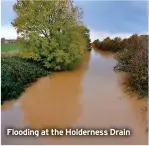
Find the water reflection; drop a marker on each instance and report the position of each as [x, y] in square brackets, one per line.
[138, 106]
[105, 54]
[54, 102]
[8, 104]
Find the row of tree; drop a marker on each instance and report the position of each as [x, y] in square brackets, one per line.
[132, 57]
[118, 44]
[108, 44]
[52, 32]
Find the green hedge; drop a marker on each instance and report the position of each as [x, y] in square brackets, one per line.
[17, 74]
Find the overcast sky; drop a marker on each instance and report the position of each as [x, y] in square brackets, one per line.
[103, 18]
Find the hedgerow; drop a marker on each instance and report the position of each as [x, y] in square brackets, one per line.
[17, 74]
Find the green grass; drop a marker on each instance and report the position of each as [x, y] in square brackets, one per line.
[10, 47]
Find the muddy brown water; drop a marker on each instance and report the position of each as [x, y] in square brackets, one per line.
[89, 97]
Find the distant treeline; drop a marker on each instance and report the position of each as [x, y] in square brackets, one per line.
[132, 56]
[108, 44]
[5, 41]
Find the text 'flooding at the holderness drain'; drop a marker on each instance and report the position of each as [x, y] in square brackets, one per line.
[69, 132]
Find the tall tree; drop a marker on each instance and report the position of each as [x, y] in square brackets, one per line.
[48, 32]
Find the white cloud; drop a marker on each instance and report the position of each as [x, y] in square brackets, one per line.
[8, 32]
[102, 35]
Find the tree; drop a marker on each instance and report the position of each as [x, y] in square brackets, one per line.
[2, 40]
[96, 43]
[107, 39]
[86, 33]
[117, 39]
[87, 36]
[116, 44]
[49, 32]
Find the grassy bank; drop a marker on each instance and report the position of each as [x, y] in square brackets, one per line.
[10, 47]
[17, 74]
[132, 56]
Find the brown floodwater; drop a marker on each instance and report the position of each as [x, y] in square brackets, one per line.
[90, 97]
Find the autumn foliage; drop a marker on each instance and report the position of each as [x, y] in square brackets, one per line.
[132, 56]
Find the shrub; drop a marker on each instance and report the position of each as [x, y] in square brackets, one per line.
[134, 59]
[139, 70]
[16, 74]
[124, 58]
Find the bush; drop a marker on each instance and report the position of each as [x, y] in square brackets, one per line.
[140, 72]
[134, 59]
[16, 74]
[124, 58]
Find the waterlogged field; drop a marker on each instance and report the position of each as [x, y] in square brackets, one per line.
[10, 47]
